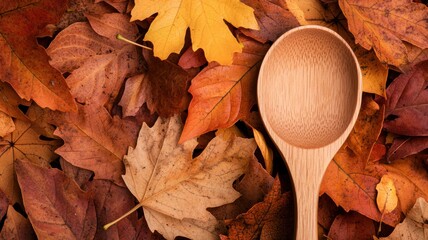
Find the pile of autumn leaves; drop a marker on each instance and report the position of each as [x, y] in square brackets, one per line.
[78, 153]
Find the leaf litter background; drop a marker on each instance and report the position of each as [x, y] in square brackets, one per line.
[92, 127]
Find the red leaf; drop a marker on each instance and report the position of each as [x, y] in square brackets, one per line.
[407, 103]
[55, 205]
[24, 63]
[405, 146]
[352, 226]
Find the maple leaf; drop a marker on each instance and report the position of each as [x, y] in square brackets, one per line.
[414, 225]
[205, 20]
[174, 189]
[270, 219]
[99, 63]
[16, 226]
[23, 143]
[352, 226]
[95, 141]
[24, 63]
[163, 87]
[55, 205]
[273, 17]
[313, 12]
[224, 94]
[384, 26]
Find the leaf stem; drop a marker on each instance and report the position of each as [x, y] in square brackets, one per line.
[122, 38]
[122, 217]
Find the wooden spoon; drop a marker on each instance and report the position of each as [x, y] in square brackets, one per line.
[309, 93]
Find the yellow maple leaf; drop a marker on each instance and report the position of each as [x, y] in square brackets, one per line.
[205, 18]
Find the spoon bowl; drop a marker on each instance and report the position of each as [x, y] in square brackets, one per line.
[309, 93]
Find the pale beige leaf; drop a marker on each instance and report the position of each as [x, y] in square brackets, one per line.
[174, 189]
[414, 227]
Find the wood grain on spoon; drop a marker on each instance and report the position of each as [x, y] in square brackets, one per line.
[309, 93]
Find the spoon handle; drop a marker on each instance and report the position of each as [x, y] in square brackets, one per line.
[307, 207]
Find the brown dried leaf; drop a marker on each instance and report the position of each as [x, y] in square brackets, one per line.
[24, 63]
[163, 87]
[98, 62]
[55, 205]
[95, 141]
[253, 187]
[386, 25]
[174, 189]
[16, 226]
[270, 219]
[405, 146]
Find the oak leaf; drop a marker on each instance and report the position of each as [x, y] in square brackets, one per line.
[23, 143]
[24, 63]
[163, 87]
[273, 17]
[55, 205]
[352, 226]
[98, 62]
[313, 12]
[270, 219]
[386, 25]
[414, 225]
[224, 94]
[386, 199]
[205, 19]
[174, 189]
[16, 226]
[94, 140]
